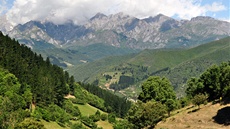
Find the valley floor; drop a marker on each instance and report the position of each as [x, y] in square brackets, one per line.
[188, 118]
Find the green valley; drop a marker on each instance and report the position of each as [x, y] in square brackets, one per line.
[176, 64]
[77, 55]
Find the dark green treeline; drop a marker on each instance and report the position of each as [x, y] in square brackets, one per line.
[48, 82]
[113, 103]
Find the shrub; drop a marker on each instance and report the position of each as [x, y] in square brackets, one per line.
[77, 126]
[112, 118]
[104, 117]
[95, 118]
[200, 99]
[30, 124]
[71, 109]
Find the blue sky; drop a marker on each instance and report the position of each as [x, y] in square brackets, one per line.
[224, 14]
[79, 11]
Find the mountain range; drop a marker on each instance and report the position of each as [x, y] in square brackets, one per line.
[118, 34]
[124, 31]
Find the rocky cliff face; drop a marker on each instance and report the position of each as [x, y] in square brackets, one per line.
[122, 30]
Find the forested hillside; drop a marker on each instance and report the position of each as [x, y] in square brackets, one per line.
[48, 83]
[158, 101]
[33, 90]
[176, 64]
[27, 80]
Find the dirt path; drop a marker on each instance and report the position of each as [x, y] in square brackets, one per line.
[69, 96]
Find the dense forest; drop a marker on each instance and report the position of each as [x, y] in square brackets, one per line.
[33, 80]
[48, 83]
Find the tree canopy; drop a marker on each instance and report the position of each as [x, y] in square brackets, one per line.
[12, 102]
[48, 83]
[215, 81]
[158, 89]
[146, 114]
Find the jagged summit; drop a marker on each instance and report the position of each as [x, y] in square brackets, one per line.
[98, 16]
[120, 15]
[127, 31]
[156, 18]
[200, 18]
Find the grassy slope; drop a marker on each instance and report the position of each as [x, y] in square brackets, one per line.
[180, 62]
[154, 59]
[87, 110]
[201, 119]
[75, 55]
[213, 54]
[82, 72]
[53, 125]
[104, 124]
[158, 59]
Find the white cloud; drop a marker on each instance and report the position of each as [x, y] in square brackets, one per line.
[225, 19]
[215, 7]
[3, 6]
[79, 11]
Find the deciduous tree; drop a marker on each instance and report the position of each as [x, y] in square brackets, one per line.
[143, 115]
[158, 89]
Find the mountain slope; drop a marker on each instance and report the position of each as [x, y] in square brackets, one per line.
[177, 65]
[75, 56]
[203, 118]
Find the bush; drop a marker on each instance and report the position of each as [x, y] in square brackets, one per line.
[112, 118]
[30, 124]
[52, 113]
[71, 109]
[143, 115]
[184, 102]
[200, 99]
[104, 117]
[88, 122]
[77, 126]
[123, 124]
[58, 114]
[95, 118]
[40, 113]
[170, 105]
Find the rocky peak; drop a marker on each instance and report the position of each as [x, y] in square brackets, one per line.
[111, 22]
[201, 18]
[29, 25]
[117, 29]
[158, 18]
[98, 16]
[120, 15]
